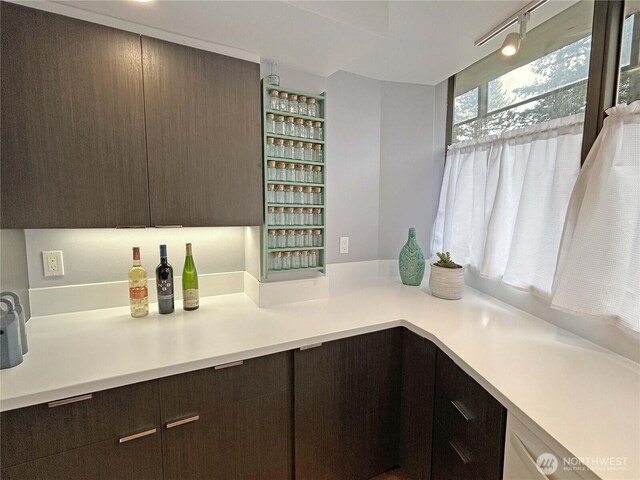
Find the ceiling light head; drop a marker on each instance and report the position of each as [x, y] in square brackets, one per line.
[511, 44]
[143, 1]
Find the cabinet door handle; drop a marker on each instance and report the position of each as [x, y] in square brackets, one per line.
[463, 457]
[130, 226]
[229, 365]
[135, 436]
[67, 401]
[168, 226]
[463, 411]
[182, 421]
[309, 347]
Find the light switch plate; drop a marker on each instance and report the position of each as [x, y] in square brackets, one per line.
[53, 263]
[344, 244]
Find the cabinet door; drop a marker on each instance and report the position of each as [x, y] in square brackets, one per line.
[138, 459]
[418, 386]
[203, 134]
[73, 138]
[232, 423]
[347, 407]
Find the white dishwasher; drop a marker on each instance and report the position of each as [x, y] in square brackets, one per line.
[526, 457]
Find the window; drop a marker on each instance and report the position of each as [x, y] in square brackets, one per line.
[629, 80]
[547, 79]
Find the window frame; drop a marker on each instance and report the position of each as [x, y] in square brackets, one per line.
[602, 82]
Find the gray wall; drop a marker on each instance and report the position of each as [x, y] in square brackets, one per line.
[13, 265]
[406, 164]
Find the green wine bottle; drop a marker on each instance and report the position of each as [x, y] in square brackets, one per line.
[190, 295]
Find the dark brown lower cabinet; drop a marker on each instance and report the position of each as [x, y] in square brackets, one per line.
[229, 423]
[418, 385]
[347, 407]
[469, 429]
[138, 459]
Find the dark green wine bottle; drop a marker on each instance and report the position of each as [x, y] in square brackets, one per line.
[190, 294]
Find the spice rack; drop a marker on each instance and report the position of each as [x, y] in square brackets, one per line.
[294, 173]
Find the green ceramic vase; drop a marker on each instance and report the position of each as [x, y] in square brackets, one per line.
[411, 261]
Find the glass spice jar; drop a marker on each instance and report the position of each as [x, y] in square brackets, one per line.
[307, 198]
[317, 196]
[286, 260]
[284, 102]
[317, 174]
[308, 216]
[309, 130]
[293, 103]
[281, 173]
[277, 261]
[298, 216]
[279, 194]
[289, 216]
[317, 238]
[291, 239]
[281, 239]
[299, 173]
[270, 148]
[298, 154]
[317, 153]
[299, 130]
[291, 172]
[288, 194]
[270, 124]
[272, 241]
[312, 107]
[279, 129]
[271, 195]
[317, 217]
[299, 238]
[297, 194]
[308, 238]
[271, 170]
[302, 105]
[313, 258]
[308, 173]
[308, 152]
[279, 150]
[304, 259]
[295, 260]
[288, 149]
[274, 102]
[279, 216]
[290, 127]
[317, 130]
[271, 216]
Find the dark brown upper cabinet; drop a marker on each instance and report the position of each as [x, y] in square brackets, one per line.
[203, 136]
[73, 140]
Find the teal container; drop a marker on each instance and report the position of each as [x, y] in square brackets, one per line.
[411, 261]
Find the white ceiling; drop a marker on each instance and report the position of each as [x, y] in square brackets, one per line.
[405, 41]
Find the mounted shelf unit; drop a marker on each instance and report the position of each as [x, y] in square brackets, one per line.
[294, 161]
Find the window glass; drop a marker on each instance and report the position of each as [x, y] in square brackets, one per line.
[629, 80]
[546, 79]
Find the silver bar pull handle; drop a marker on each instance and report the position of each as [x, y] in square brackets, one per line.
[229, 365]
[130, 226]
[135, 436]
[67, 401]
[168, 226]
[463, 457]
[463, 411]
[309, 347]
[182, 421]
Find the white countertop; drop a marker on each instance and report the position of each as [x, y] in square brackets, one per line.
[584, 397]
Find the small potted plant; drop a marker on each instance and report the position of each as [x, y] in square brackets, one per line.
[447, 278]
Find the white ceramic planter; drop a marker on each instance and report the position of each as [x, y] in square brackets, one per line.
[446, 283]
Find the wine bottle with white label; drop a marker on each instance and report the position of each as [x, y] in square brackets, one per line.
[138, 294]
[190, 295]
[164, 283]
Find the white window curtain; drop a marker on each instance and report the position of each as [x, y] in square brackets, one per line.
[504, 199]
[598, 269]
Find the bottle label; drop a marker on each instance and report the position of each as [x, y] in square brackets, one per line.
[191, 298]
[165, 288]
[138, 292]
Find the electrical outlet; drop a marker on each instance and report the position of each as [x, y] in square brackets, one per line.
[344, 244]
[52, 263]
